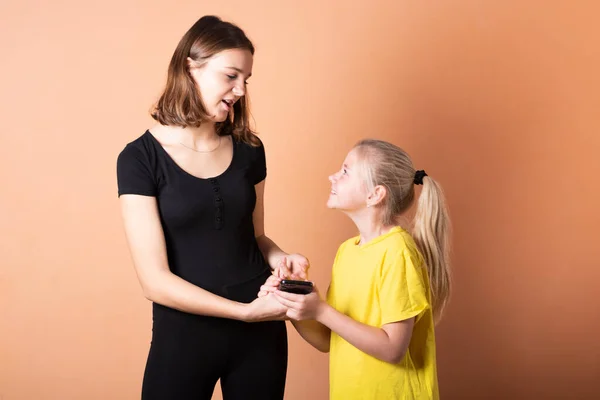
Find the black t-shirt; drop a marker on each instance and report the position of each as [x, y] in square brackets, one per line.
[207, 223]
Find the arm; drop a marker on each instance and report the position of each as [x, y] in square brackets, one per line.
[388, 343]
[293, 266]
[271, 252]
[147, 246]
[315, 333]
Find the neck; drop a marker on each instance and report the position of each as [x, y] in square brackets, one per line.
[196, 136]
[369, 224]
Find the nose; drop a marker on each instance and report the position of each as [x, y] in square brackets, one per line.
[332, 178]
[239, 91]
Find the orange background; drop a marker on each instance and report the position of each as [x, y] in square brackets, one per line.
[497, 100]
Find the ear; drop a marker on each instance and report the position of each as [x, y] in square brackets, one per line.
[376, 196]
[193, 65]
[193, 68]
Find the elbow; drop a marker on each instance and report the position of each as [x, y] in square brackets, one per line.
[153, 285]
[394, 357]
[149, 291]
[260, 239]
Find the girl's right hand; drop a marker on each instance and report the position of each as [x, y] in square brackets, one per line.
[265, 308]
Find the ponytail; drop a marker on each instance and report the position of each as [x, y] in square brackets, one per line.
[431, 232]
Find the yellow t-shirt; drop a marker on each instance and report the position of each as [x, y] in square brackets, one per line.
[377, 283]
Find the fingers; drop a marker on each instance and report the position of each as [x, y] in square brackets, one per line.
[270, 285]
[284, 268]
[284, 301]
[298, 265]
[302, 275]
[268, 289]
[295, 298]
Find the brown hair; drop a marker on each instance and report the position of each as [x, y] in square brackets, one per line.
[180, 103]
[389, 166]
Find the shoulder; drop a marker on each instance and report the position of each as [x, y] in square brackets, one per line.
[402, 248]
[348, 243]
[139, 150]
[139, 146]
[252, 152]
[253, 158]
[345, 248]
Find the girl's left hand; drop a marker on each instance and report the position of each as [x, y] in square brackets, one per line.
[301, 306]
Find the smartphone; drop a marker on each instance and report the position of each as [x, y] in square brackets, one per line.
[297, 287]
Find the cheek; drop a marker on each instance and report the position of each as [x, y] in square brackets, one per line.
[210, 88]
[358, 191]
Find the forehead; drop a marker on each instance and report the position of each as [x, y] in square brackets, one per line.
[352, 158]
[235, 59]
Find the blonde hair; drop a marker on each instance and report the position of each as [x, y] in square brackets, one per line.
[389, 166]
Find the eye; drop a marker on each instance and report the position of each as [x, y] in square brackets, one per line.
[344, 171]
[232, 76]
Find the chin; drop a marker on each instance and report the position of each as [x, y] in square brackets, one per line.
[219, 118]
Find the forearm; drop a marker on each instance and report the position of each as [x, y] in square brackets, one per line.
[170, 290]
[270, 251]
[371, 340]
[315, 333]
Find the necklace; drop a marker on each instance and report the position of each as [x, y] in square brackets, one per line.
[202, 151]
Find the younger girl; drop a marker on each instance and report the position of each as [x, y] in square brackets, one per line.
[388, 286]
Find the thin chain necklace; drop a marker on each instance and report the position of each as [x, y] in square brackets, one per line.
[202, 151]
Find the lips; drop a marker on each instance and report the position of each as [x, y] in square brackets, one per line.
[228, 103]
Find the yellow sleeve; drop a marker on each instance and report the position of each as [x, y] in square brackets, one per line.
[402, 289]
[330, 295]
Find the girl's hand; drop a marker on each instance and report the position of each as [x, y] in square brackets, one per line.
[271, 284]
[302, 306]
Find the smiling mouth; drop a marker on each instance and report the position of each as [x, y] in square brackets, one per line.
[228, 103]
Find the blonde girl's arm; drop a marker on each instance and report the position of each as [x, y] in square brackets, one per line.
[317, 319]
[388, 343]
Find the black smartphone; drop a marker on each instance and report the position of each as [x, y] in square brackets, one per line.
[297, 287]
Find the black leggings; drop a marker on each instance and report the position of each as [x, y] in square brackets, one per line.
[189, 353]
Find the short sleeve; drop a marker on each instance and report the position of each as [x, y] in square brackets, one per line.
[259, 164]
[134, 174]
[330, 295]
[402, 289]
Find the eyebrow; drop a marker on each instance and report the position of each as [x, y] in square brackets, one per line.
[239, 70]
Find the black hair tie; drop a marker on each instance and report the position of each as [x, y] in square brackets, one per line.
[419, 175]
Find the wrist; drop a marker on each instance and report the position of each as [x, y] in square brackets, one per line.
[241, 311]
[322, 312]
[276, 259]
